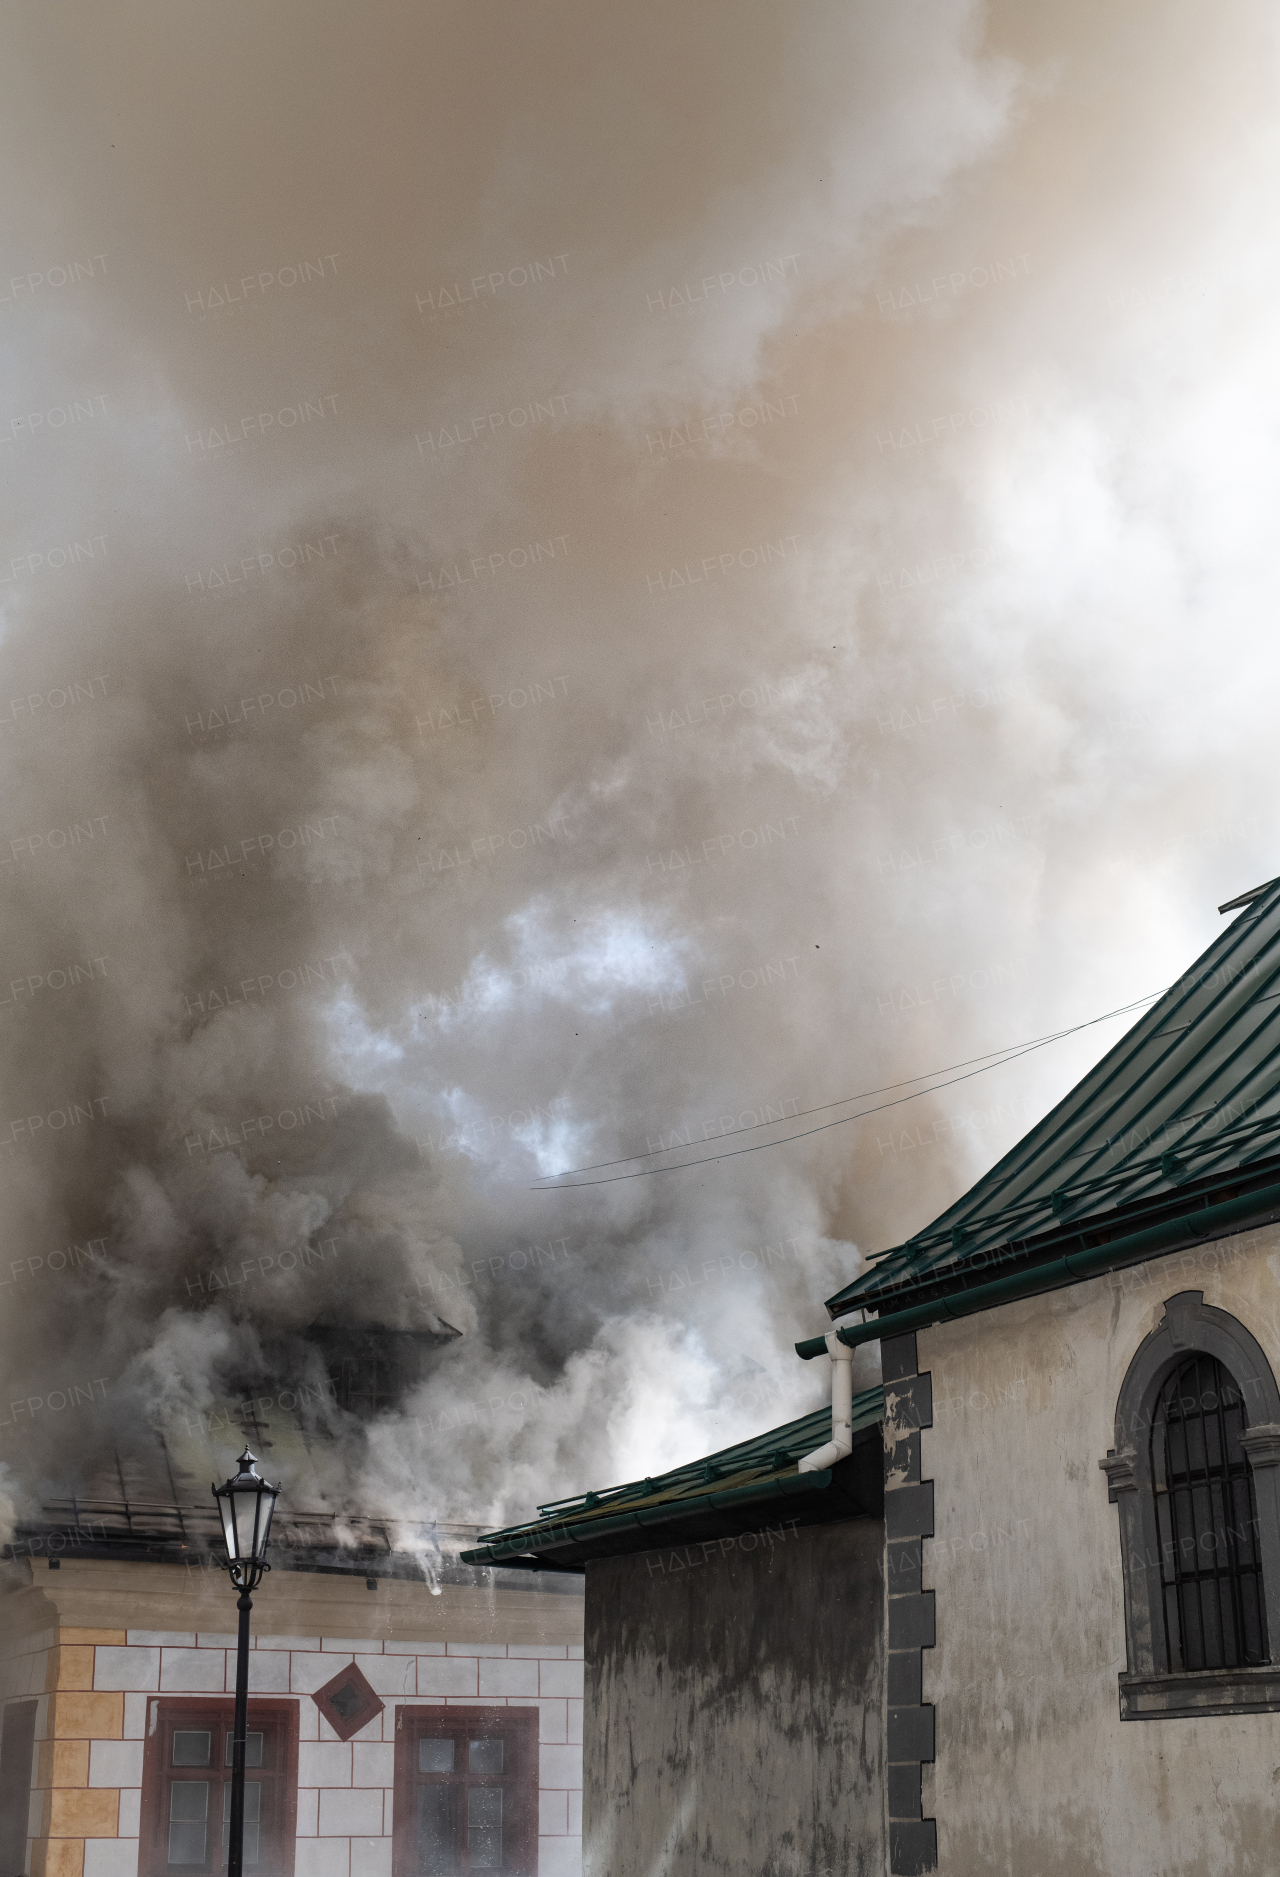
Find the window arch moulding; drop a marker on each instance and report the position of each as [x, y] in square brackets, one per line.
[1148, 1690]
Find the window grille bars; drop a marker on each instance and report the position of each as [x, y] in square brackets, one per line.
[1207, 1520]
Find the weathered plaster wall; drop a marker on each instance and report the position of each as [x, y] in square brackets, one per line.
[1035, 1771]
[735, 1708]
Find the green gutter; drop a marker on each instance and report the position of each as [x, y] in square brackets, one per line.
[667, 1514]
[1193, 1228]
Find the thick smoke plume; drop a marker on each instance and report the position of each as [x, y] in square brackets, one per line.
[580, 580]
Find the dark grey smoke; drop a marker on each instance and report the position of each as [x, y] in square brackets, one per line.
[578, 581]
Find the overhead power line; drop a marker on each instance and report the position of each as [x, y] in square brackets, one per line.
[994, 1059]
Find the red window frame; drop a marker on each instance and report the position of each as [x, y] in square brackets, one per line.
[17, 1738]
[519, 1782]
[278, 1720]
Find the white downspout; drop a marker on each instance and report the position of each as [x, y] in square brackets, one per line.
[841, 1443]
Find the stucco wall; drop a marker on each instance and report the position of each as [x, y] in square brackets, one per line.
[734, 1708]
[1035, 1771]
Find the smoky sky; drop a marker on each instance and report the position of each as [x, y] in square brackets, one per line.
[577, 579]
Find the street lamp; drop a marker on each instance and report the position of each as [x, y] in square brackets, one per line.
[245, 1504]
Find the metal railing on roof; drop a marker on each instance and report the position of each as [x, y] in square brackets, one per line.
[123, 1520]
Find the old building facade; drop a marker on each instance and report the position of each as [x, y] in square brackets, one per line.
[106, 1665]
[406, 1711]
[1108, 1752]
[1051, 1641]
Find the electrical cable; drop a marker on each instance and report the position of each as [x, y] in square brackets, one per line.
[597, 1166]
[557, 1182]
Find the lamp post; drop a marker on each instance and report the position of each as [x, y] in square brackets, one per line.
[245, 1504]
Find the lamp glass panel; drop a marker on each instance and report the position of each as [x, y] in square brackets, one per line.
[228, 1523]
[268, 1500]
[246, 1515]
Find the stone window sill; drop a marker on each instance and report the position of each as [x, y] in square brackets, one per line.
[1202, 1691]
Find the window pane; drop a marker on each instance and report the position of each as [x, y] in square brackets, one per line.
[435, 1756]
[252, 1818]
[1243, 1529]
[191, 1749]
[1202, 1527]
[1165, 1534]
[437, 1831]
[484, 1824]
[1252, 1619]
[1214, 1652]
[1183, 1527]
[186, 1844]
[1189, 1609]
[1214, 1541]
[485, 1756]
[188, 1813]
[252, 1748]
[1172, 1629]
[1177, 1449]
[1194, 1434]
[1232, 1621]
[1213, 1437]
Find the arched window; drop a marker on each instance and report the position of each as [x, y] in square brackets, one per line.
[1195, 1474]
[1206, 1521]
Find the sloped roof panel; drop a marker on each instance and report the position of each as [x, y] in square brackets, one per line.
[1190, 1093]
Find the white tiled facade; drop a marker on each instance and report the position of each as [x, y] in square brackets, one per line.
[345, 1789]
[93, 1687]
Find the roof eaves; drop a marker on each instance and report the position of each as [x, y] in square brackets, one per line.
[759, 1468]
[1233, 1187]
[919, 1262]
[563, 1535]
[1247, 899]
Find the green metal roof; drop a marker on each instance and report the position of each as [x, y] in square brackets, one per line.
[1188, 1099]
[701, 1497]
